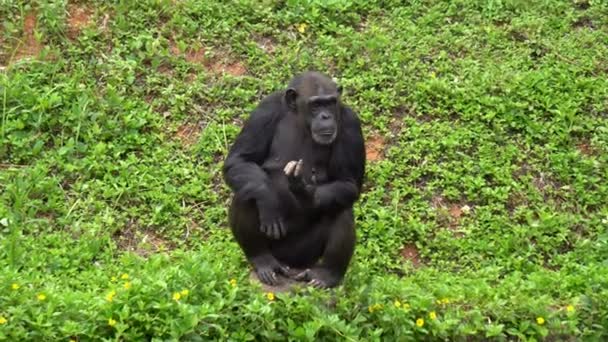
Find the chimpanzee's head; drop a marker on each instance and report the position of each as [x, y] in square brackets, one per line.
[315, 98]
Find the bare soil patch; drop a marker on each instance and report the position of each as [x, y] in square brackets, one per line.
[450, 214]
[396, 125]
[3, 54]
[165, 69]
[374, 148]
[362, 25]
[173, 47]
[543, 182]
[267, 44]
[285, 285]
[141, 242]
[582, 4]
[410, 252]
[218, 64]
[455, 212]
[583, 22]
[518, 36]
[437, 201]
[29, 46]
[195, 56]
[188, 133]
[232, 68]
[79, 17]
[192, 55]
[586, 149]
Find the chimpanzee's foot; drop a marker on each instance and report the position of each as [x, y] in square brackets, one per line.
[267, 268]
[319, 277]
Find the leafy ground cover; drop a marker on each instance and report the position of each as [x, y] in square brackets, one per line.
[484, 215]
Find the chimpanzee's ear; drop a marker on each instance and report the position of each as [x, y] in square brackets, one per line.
[290, 98]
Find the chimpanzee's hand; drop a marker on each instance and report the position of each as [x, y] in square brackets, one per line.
[297, 183]
[271, 222]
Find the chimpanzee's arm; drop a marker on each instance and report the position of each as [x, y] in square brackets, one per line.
[242, 168]
[347, 167]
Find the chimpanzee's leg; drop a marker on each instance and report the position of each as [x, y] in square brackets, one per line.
[338, 248]
[303, 246]
[245, 226]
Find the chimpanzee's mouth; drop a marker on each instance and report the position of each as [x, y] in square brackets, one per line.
[326, 133]
[325, 136]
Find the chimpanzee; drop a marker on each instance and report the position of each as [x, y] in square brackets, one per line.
[296, 169]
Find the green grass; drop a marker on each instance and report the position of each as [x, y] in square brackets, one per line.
[492, 117]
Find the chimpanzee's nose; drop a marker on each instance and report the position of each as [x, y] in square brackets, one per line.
[324, 115]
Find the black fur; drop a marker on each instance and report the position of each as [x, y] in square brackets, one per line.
[281, 221]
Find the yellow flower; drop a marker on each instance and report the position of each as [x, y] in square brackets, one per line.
[127, 285]
[433, 315]
[176, 296]
[111, 322]
[110, 296]
[3, 320]
[233, 282]
[15, 286]
[270, 296]
[124, 276]
[406, 306]
[113, 279]
[445, 301]
[540, 320]
[184, 292]
[374, 307]
[72, 340]
[397, 304]
[570, 308]
[41, 296]
[420, 322]
[302, 27]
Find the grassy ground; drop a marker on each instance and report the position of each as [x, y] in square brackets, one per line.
[484, 214]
